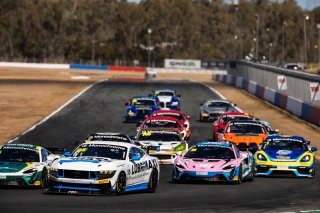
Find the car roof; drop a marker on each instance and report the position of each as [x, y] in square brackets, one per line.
[162, 118]
[144, 97]
[246, 122]
[21, 146]
[226, 144]
[218, 100]
[168, 111]
[161, 130]
[105, 135]
[235, 113]
[164, 90]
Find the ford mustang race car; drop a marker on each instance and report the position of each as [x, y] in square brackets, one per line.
[214, 161]
[165, 144]
[165, 122]
[101, 167]
[244, 134]
[183, 119]
[211, 109]
[286, 155]
[220, 124]
[108, 136]
[140, 106]
[168, 98]
[25, 165]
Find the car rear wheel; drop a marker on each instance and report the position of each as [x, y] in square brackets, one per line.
[44, 179]
[153, 181]
[121, 184]
[251, 174]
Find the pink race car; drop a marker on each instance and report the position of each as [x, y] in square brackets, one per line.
[214, 161]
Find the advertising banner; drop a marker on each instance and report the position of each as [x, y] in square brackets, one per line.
[282, 82]
[184, 64]
[315, 91]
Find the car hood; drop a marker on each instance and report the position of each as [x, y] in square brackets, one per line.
[12, 167]
[206, 164]
[283, 154]
[87, 163]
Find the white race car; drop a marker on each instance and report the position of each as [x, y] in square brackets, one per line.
[100, 167]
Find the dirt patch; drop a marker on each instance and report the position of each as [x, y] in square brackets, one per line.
[29, 95]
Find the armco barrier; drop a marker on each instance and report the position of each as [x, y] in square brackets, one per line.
[304, 110]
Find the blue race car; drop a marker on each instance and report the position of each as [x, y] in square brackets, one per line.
[286, 155]
[139, 107]
[168, 99]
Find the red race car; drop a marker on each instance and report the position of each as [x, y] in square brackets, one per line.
[220, 124]
[183, 119]
[165, 122]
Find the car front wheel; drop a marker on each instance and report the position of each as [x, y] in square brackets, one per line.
[153, 181]
[121, 184]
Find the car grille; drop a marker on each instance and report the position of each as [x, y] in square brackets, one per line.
[304, 171]
[75, 174]
[262, 169]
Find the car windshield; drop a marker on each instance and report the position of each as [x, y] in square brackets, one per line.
[161, 123]
[19, 155]
[217, 104]
[158, 136]
[101, 150]
[285, 144]
[238, 118]
[143, 102]
[211, 152]
[170, 114]
[246, 128]
[164, 93]
[106, 137]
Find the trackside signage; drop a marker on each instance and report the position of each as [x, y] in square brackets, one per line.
[315, 91]
[185, 64]
[282, 82]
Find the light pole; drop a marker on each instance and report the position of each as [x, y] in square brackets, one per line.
[149, 45]
[257, 36]
[318, 26]
[306, 18]
[283, 40]
[270, 46]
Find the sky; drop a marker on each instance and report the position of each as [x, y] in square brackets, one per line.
[305, 4]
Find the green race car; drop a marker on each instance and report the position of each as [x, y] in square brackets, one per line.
[25, 165]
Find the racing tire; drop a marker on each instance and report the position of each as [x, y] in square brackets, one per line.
[240, 178]
[250, 176]
[121, 184]
[177, 181]
[153, 181]
[313, 174]
[200, 118]
[44, 179]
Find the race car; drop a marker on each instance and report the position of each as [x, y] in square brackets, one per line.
[244, 134]
[165, 122]
[165, 144]
[101, 167]
[285, 155]
[270, 130]
[214, 161]
[25, 165]
[107, 136]
[211, 109]
[220, 124]
[168, 98]
[183, 119]
[140, 106]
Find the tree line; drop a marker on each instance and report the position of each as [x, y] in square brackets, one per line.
[119, 32]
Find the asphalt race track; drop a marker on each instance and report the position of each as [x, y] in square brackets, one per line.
[101, 109]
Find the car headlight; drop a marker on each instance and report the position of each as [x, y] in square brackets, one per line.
[261, 157]
[131, 113]
[232, 166]
[105, 174]
[53, 171]
[31, 170]
[305, 158]
[180, 147]
[179, 166]
[174, 103]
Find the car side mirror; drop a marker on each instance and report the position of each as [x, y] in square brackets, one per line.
[188, 117]
[308, 142]
[67, 154]
[135, 158]
[313, 149]
[127, 103]
[179, 96]
[185, 125]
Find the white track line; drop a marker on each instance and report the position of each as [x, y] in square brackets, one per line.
[56, 111]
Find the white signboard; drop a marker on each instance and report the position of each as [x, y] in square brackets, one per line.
[282, 82]
[315, 91]
[185, 64]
